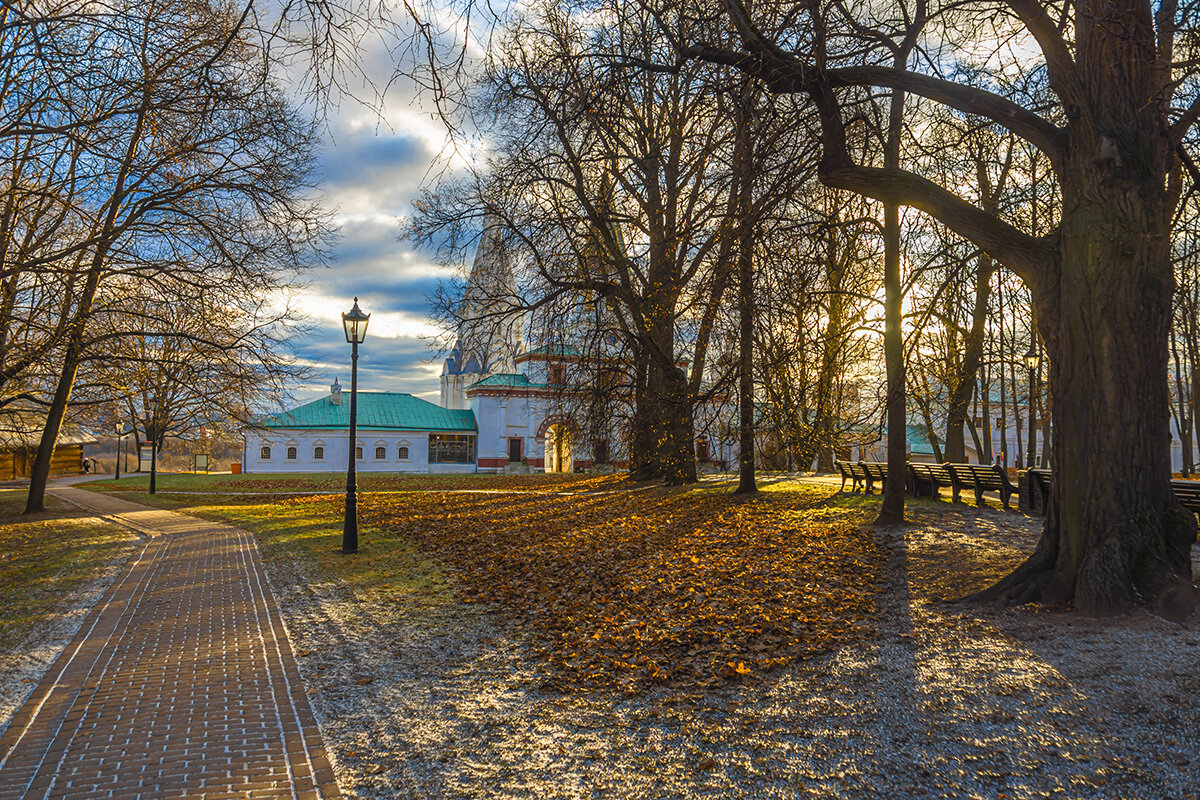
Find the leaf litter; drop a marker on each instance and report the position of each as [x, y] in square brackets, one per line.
[632, 589]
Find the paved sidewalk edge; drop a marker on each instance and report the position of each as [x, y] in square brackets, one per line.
[48, 696]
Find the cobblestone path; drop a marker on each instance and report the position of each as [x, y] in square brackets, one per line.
[180, 683]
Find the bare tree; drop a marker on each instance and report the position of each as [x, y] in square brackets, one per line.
[1115, 535]
[196, 169]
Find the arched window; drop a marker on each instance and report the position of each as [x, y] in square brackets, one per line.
[291, 453]
[318, 453]
[380, 453]
[402, 454]
[358, 452]
[265, 453]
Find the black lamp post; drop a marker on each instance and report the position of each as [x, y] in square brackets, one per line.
[355, 323]
[154, 460]
[1031, 363]
[117, 470]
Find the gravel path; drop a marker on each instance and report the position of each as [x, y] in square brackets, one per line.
[437, 701]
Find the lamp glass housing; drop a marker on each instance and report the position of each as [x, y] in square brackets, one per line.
[1032, 359]
[355, 324]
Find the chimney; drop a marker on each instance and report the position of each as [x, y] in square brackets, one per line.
[335, 393]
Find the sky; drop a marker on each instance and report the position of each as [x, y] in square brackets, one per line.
[373, 163]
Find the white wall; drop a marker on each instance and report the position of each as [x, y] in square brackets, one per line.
[335, 443]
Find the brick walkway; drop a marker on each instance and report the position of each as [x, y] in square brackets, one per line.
[180, 684]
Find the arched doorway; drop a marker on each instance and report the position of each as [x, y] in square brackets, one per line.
[558, 449]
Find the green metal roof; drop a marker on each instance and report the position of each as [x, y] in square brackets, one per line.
[376, 411]
[918, 440]
[518, 381]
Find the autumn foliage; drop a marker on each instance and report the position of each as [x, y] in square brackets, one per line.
[634, 587]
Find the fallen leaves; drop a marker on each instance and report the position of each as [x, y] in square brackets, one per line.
[636, 588]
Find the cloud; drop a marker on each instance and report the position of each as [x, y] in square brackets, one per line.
[374, 162]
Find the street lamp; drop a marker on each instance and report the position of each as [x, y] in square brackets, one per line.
[120, 429]
[1032, 360]
[355, 323]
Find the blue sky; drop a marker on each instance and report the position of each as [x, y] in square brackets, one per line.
[372, 166]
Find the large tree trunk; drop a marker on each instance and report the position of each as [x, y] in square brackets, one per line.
[643, 445]
[1115, 534]
[39, 476]
[744, 164]
[677, 453]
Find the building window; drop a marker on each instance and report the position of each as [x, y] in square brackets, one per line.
[318, 453]
[402, 454]
[380, 453]
[446, 448]
[265, 453]
[291, 453]
[557, 374]
[702, 454]
[600, 451]
[358, 452]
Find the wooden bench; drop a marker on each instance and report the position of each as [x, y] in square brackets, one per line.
[876, 471]
[982, 479]
[1038, 481]
[1187, 492]
[926, 480]
[854, 473]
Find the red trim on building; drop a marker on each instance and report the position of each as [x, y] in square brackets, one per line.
[557, 419]
[493, 462]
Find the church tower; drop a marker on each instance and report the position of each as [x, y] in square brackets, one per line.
[490, 323]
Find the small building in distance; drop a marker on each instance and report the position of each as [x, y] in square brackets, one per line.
[20, 434]
[396, 433]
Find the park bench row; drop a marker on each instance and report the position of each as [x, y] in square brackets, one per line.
[927, 480]
[1040, 480]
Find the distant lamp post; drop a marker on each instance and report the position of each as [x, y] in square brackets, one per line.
[355, 323]
[154, 461]
[1032, 360]
[120, 429]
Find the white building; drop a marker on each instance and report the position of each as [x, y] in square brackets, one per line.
[396, 433]
[503, 408]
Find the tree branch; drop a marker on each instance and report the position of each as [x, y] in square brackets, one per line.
[1023, 254]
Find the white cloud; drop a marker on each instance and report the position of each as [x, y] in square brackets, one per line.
[327, 310]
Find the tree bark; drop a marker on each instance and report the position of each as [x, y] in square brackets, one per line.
[891, 511]
[744, 167]
[1115, 534]
[644, 463]
[677, 453]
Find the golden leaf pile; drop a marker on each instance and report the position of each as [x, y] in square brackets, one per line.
[636, 587]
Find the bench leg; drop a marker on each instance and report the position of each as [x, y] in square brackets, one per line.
[979, 496]
[1005, 495]
[956, 488]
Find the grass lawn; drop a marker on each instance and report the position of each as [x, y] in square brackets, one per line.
[47, 556]
[625, 586]
[386, 568]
